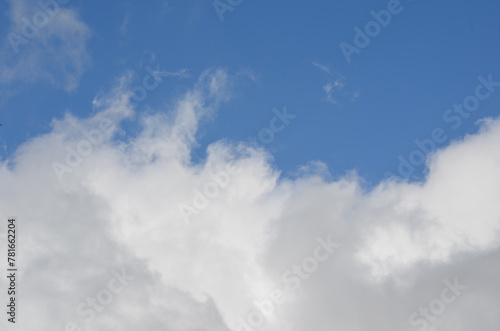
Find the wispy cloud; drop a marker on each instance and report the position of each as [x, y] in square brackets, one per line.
[321, 67]
[44, 44]
[335, 84]
[124, 25]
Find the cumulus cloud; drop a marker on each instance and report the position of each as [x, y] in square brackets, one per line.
[46, 41]
[118, 207]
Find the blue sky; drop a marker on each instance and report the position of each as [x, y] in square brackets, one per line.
[245, 165]
[394, 91]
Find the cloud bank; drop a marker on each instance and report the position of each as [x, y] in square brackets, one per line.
[116, 212]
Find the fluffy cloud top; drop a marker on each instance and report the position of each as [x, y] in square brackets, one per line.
[118, 206]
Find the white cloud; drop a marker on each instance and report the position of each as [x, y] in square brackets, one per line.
[53, 50]
[119, 207]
